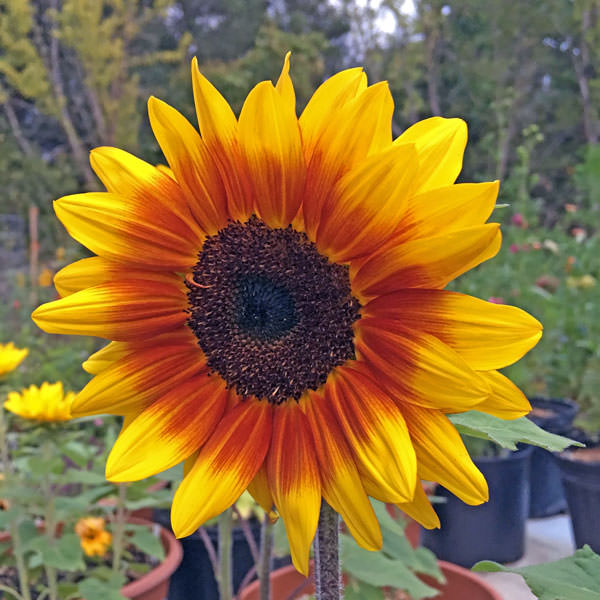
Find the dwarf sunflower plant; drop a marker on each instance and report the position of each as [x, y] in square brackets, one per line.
[11, 357]
[276, 307]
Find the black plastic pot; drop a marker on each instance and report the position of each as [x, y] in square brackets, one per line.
[547, 493]
[494, 530]
[581, 481]
[195, 578]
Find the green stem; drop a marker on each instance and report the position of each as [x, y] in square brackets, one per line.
[13, 528]
[328, 577]
[7, 590]
[50, 521]
[224, 576]
[119, 527]
[266, 555]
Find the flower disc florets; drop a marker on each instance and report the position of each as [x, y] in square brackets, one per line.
[272, 315]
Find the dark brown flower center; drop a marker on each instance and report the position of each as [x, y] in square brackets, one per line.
[272, 315]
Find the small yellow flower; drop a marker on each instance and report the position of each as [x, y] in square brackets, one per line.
[45, 278]
[46, 403]
[11, 357]
[95, 540]
[60, 253]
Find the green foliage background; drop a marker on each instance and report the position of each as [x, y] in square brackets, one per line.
[75, 74]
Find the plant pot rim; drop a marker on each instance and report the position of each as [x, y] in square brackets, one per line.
[446, 567]
[518, 454]
[162, 572]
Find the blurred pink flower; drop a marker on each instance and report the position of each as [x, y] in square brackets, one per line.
[517, 219]
[496, 300]
[98, 421]
[514, 248]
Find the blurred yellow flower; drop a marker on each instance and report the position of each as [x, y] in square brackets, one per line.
[46, 403]
[585, 282]
[45, 278]
[95, 540]
[11, 357]
[60, 253]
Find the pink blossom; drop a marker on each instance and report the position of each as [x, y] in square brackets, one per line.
[517, 219]
[496, 300]
[514, 248]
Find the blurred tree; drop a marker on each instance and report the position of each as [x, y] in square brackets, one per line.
[78, 62]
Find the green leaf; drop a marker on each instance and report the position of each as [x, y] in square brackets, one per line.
[376, 569]
[397, 547]
[63, 553]
[359, 590]
[147, 542]
[28, 533]
[86, 477]
[8, 516]
[576, 577]
[79, 453]
[509, 433]
[95, 589]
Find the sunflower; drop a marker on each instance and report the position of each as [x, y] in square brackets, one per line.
[11, 357]
[93, 536]
[277, 309]
[45, 403]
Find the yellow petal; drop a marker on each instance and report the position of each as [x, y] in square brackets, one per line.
[426, 263]
[105, 357]
[420, 509]
[192, 164]
[261, 492]
[126, 175]
[225, 466]
[284, 86]
[294, 480]
[418, 368]
[169, 430]
[218, 127]
[442, 456]
[440, 145]
[118, 310]
[486, 335]
[368, 205]
[143, 233]
[447, 209]
[89, 272]
[139, 378]
[342, 486]
[506, 401]
[270, 141]
[357, 129]
[376, 432]
[329, 97]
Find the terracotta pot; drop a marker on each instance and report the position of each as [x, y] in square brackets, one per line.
[460, 584]
[154, 585]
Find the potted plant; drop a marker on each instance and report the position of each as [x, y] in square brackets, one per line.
[580, 467]
[547, 496]
[397, 568]
[494, 530]
[59, 539]
[198, 572]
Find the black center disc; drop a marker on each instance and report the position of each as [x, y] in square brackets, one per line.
[272, 315]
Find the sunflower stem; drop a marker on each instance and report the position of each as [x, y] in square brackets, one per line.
[224, 576]
[13, 527]
[266, 558]
[118, 540]
[328, 573]
[49, 517]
